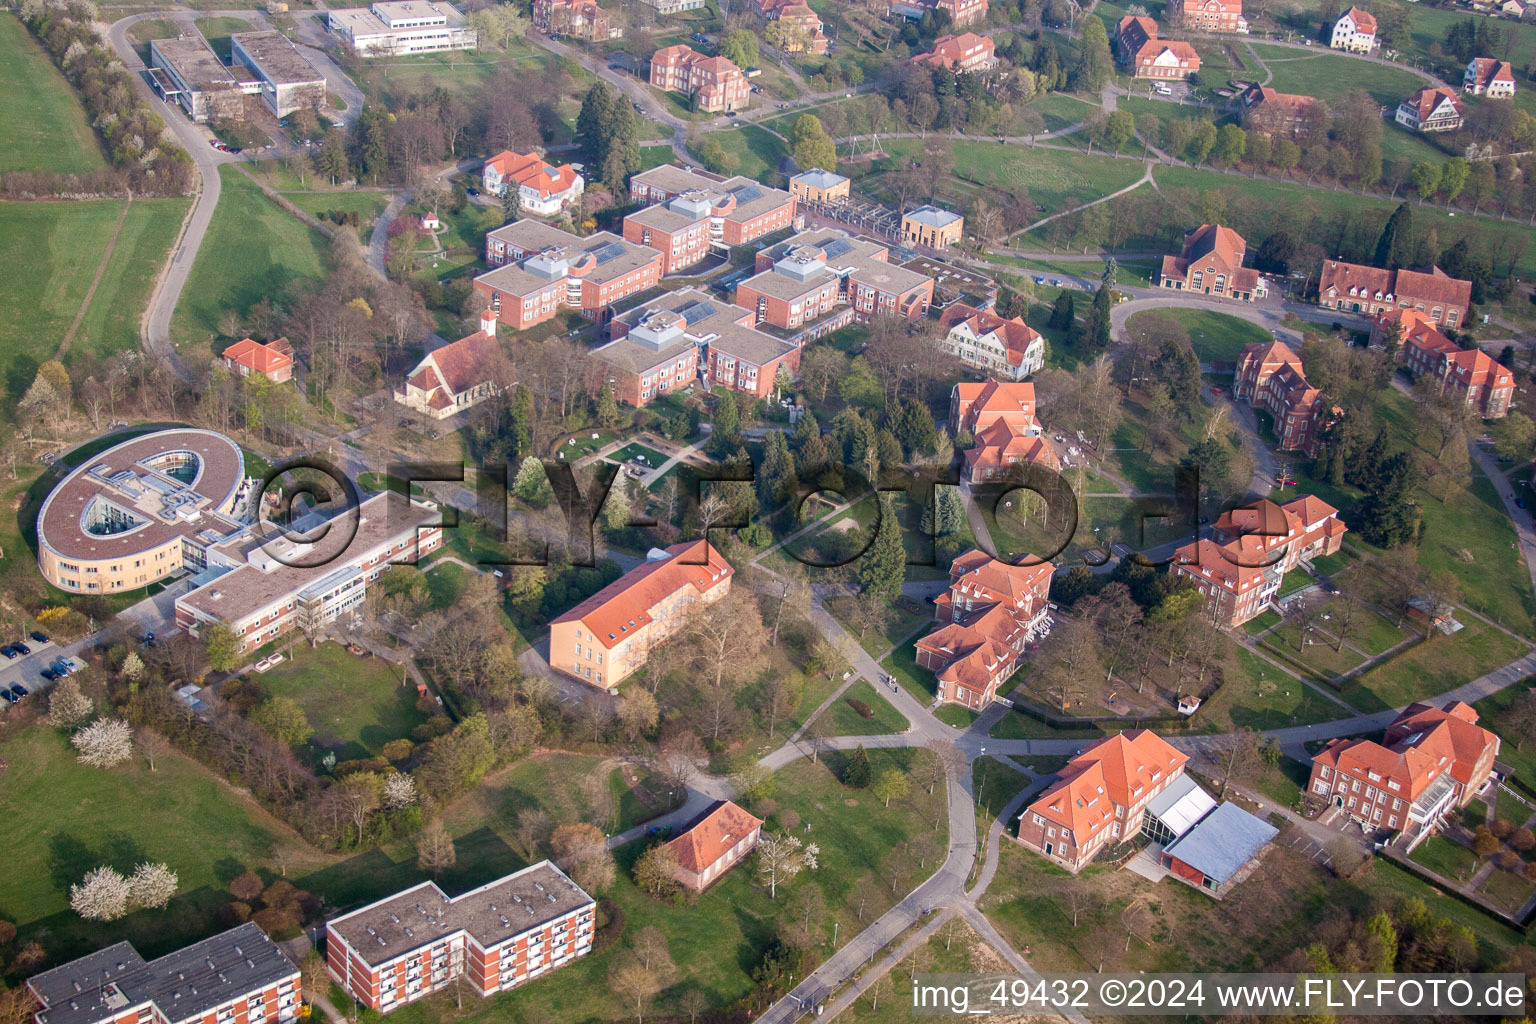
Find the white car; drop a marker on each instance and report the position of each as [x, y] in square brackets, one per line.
[1163, 90]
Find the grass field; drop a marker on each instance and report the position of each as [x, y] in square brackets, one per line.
[142, 32]
[1432, 667]
[254, 250]
[756, 150]
[1506, 890]
[1493, 714]
[367, 205]
[45, 128]
[843, 720]
[355, 705]
[1472, 538]
[1260, 696]
[1329, 76]
[1446, 858]
[1216, 337]
[217, 31]
[54, 250]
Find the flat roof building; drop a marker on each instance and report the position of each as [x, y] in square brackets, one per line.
[541, 270]
[402, 26]
[931, 227]
[288, 81]
[1212, 855]
[186, 71]
[818, 186]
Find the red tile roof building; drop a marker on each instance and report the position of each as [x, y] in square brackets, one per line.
[716, 216]
[1431, 109]
[1099, 798]
[820, 281]
[1269, 377]
[1212, 264]
[542, 189]
[542, 270]
[810, 38]
[494, 938]
[1431, 761]
[1371, 290]
[1238, 570]
[1214, 16]
[1355, 30]
[961, 54]
[1149, 57]
[608, 636]
[713, 846]
[1008, 349]
[714, 84]
[1281, 114]
[1000, 417]
[1488, 77]
[990, 612]
[457, 376]
[579, 19]
[1484, 383]
[961, 12]
[273, 360]
[690, 335]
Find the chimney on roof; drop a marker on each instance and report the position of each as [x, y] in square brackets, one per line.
[488, 322]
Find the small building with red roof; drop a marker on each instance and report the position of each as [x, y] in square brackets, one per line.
[1003, 347]
[1281, 114]
[962, 54]
[1000, 417]
[1431, 109]
[1139, 48]
[608, 636]
[1211, 263]
[1355, 31]
[579, 19]
[272, 360]
[715, 844]
[542, 189]
[1100, 798]
[989, 614]
[458, 376]
[809, 37]
[1430, 762]
[1214, 16]
[1488, 77]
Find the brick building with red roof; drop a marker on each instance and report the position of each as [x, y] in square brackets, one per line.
[1211, 263]
[1355, 288]
[1138, 47]
[611, 634]
[272, 360]
[1099, 798]
[1483, 383]
[542, 271]
[961, 12]
[1430, 762]
[1488, 77]
[1432, 109]
[459, 375]
[990, 612]
[1000, 417]
[714, 84]
[962, 54]
[811, 37]
[1281, 114]
[714, 845]
[1238, 570]
[1214, 16]
[1269, 376]
[579, 19]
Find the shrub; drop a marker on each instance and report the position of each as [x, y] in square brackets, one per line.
[246, 888]
[1484, 844]
[234, 913]
[1522, 839]
[398, 750]
[864, 710]
[1501, 828]
[278, 924]
[1509, 860]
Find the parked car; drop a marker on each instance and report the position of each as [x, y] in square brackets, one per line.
[1519, 503]
[9, 696]
[62, 667]
[21, 648]
[40, 637]
[638, 107]
[471, 190]
[49, 674]
[19, 690]
[8, 651]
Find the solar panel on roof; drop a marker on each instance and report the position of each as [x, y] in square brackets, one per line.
[610, 251]
[696, 312]
[746, 193]
[836, 248]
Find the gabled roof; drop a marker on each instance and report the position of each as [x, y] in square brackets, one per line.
[616, 612]
[1309, 509]
[466, 363]
[259, 357]
[713, 837]
[1215, 240]
[1000, 445]
[1118, 770]
[1016, 336]
[1484, 71]
[1136, 30]
[996, 398]
[1354, 279]
[1427, 100]
[1177, 49]
[1364, 21]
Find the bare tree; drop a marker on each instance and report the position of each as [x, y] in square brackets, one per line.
[779, 697]
[634, 983]
[678, 759]
[153, 747]
[1239, 756]
[1075, 897]
[651, 949]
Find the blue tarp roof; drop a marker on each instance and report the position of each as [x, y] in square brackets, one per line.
[1222, 842]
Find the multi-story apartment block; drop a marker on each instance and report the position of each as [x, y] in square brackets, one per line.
[236, 976]
[1431, 109]
[542, 270]
[612, 633]
[1281, 114]
[820, 281]
[1007, 348]
[818, 186]
[1483, 383]
[1355, 31]
[713, 84]
[1147, 56]
[990, 612]
[458, 376]
[961, 12]
[1430, 762]
[1488, 77]
[496, 937]
[715, 844]
[1100, 798]
[1211, 263]
[1371, 290]
[686, 335]
[961, 54]
[542, 189]
[269, 580]
[1214, 16]
[685, 228]
[1000, 418]
[1269, 376]
[1239, 570]
[393, 27]
[579, 19]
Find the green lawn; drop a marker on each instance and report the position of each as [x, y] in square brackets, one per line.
[354, 704]
[367, 205]
[1493, 714]
[1433, 667]
[1216, 337]
[1259, 696]
[1378, 634]
[445, 581]
[45, 128]
[917, 681]
[1319, 656]
[1329, 76]
[142, 32]
[652, 457]
[994, 784]
[1506, 890]
[1446, 858]
[1259, 623]
[1062, 110]
[901, 623]
[756, 150]
[955, 715]
[461, 73]
[64, 819]
[843, 720]
[254, 250]
[1472, 538]
[54, 251]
